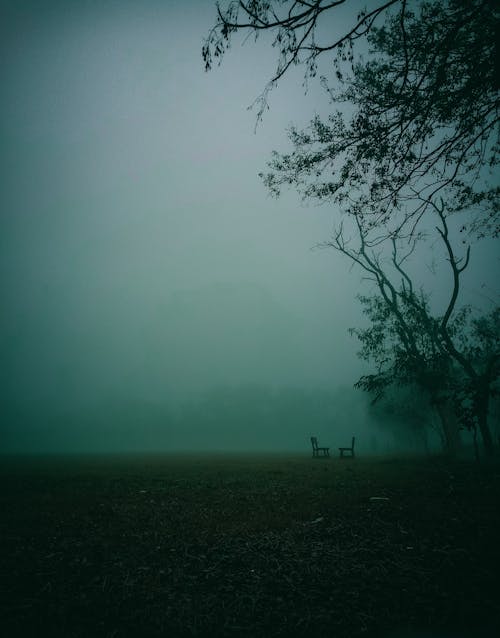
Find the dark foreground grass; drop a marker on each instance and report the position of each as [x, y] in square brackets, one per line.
[241, 546]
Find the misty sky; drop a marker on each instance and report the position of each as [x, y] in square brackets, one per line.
[140, 254]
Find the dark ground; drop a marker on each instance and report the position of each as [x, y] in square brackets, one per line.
[248, 546]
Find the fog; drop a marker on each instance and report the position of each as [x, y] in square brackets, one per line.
[154, 297]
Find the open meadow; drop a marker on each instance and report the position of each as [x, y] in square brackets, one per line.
[248, 546]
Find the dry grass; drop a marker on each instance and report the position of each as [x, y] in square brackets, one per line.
[247, 546]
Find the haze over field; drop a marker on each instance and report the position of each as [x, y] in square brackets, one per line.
[153, 295]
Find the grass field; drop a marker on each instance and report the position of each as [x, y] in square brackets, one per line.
[248, 546]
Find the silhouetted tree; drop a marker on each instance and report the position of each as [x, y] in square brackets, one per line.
[407, 412]
[454, 357]
[426, 105]
[418, 128]
[294, 27]
[480, 345]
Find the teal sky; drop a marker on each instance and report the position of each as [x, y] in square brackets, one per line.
[129, 174]
[140, 254]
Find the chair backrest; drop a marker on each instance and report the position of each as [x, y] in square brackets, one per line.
[314, 442]
[352, 442]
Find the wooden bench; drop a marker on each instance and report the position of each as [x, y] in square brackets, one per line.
[347, 451]
[319, 451]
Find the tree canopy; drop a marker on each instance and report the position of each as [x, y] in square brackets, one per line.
[293, 24]
[426, 107]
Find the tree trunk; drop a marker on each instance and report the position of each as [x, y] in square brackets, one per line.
[449, 427]
[482, 404]
[476, 449]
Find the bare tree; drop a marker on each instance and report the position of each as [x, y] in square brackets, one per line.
[453, 357]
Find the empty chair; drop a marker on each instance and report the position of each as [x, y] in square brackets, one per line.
[319, 451]
[347, 451]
